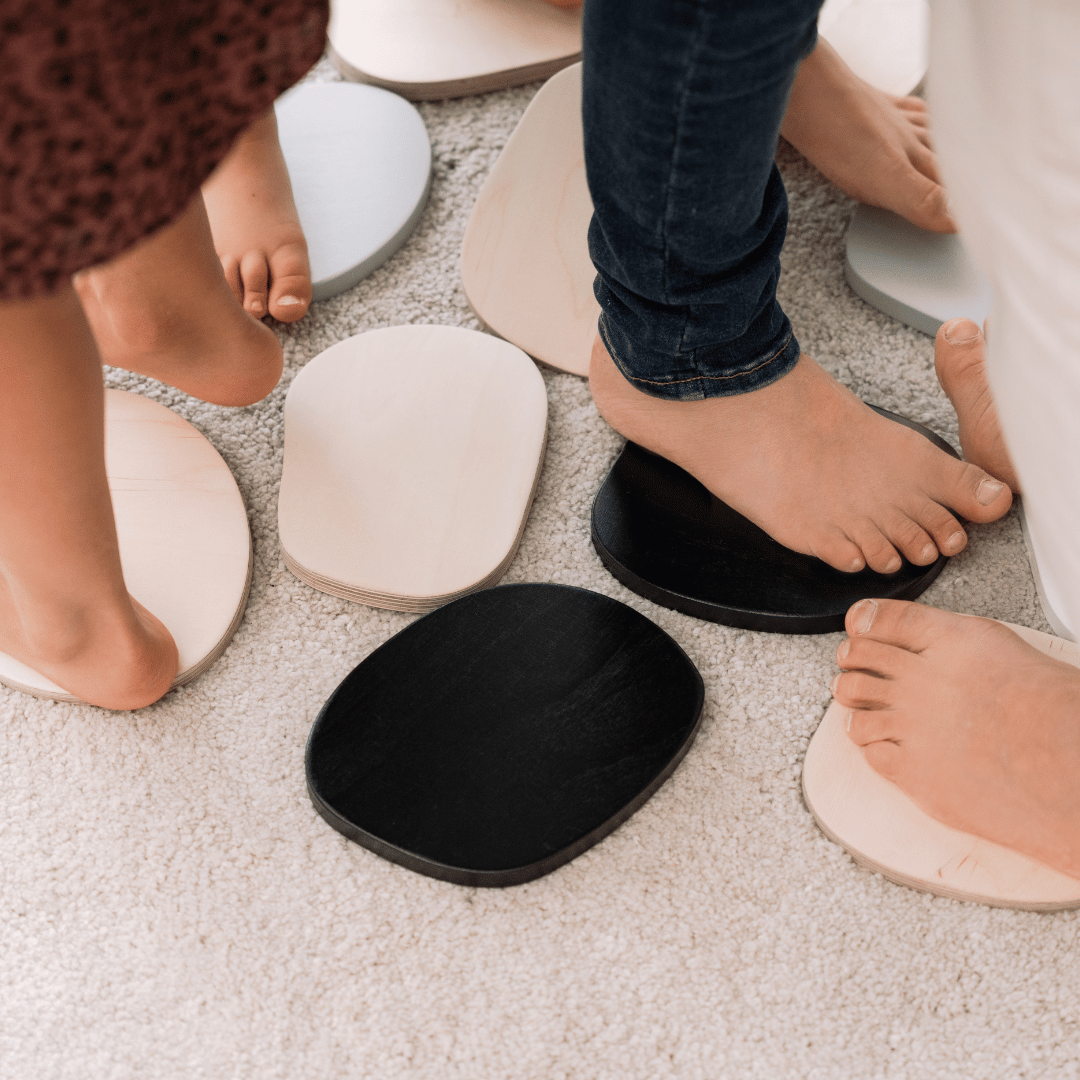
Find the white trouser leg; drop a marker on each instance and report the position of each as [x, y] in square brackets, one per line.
[1005, 101]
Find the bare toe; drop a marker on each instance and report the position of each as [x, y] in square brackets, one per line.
[290, 282]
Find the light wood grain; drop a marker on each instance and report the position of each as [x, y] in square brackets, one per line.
[525, 259]
[433, 49]
[885, 42]
[411, 460]
[185, 546]
[360, 165]
[884, 830]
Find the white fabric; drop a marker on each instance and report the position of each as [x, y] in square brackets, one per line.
[1005, 97]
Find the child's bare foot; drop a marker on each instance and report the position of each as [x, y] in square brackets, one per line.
[978, 727]
[257, 233]
[874, 146]
[812, 465]
[163, 309]
[960, 359]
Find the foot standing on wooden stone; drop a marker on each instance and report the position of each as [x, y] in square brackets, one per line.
[140, 106]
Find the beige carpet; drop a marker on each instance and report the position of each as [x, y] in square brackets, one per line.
[172, 907]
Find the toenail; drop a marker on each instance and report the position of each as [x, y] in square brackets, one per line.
[956, 541]
[929, 553]
[832, 685]
[957, 332]
[857, 565]
[288, 301]
[863, 616]
[988, 491]
[893, 565]
[850, 717]
[843, 650]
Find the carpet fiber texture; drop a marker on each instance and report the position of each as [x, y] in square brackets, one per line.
[173, 907]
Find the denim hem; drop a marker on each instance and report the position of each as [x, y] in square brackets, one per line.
[692, 385]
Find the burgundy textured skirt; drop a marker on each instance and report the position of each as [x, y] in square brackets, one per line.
[113, 112]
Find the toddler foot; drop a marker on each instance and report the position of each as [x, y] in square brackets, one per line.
[981, 729]
[874, 146]
[257, 233]
[960, 359]
[812, 465]
[163, 309]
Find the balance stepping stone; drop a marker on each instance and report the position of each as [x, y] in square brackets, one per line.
[434, 49]
[360, 165]
[885, 831]
[185, 546]
[1051, 598]
[885, 42]
[922, 279]
[499, 737]
[665, 537]
[412, 456]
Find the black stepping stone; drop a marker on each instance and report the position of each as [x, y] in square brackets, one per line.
[504, 734]
[665, 537]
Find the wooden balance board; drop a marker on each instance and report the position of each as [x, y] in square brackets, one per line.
[1050, 595]
[525, 259]
[885, 42]
[185, 546]
[360, 164]
[432, 49]
[499, 737]
[412, 456]
[885, 831]
[921, 278]
[665, 537]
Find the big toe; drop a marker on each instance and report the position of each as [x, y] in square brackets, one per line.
[901, 623]
[290, 277]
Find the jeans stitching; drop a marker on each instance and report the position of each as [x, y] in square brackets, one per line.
[716, 378]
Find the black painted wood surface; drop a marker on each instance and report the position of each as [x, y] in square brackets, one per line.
[502, 735]
[665, 537]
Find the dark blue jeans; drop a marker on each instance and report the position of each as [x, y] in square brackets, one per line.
[682, 106]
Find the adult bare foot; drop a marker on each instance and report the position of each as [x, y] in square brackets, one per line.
[257, 233]
[874, 146]
[978, 727]
[163, 309]
[960, 359]
[812, 465]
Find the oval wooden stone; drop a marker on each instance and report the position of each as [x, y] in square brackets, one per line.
[525, 259]
[433, 49]
[412, 456]
[885, 42]
[185, 546]
[504, 734]
[921, 278]
[885, 831]
[360, 164]
[665, 537]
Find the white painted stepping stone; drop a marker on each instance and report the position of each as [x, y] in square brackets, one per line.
[185, 546]
[412, 456]
[432, 49]
[360, 164]
[885, 42]
[525, 259]
[921, 278]
[886, 832]
[1050, 596]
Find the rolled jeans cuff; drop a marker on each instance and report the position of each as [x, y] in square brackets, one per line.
[709, 371]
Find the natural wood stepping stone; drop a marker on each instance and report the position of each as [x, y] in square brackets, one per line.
[360, 165]
[525, 259]
[885, 831]
[411, 460]
[1050, 596]
[921, 278]
[185, 546]
[433, 49]
[504, 734]
[885, 42]
[665, 537]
